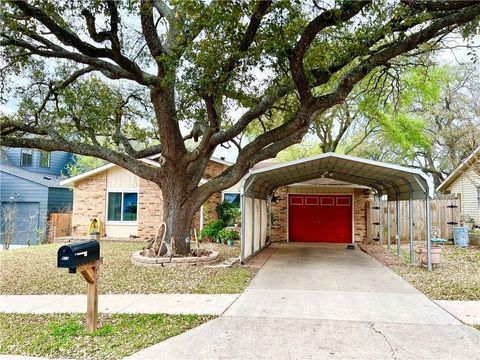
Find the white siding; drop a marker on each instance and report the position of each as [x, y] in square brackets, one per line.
[466, 185]
[119, 178]
[260, 229]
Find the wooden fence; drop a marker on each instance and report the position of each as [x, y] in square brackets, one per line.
[443, 212]
[59, 224]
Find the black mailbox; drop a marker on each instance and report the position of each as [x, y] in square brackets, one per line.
[73, 255]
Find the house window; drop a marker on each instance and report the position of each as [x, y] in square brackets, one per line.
[233, 198]
[26, 157]
[44, 159]
[122, 206]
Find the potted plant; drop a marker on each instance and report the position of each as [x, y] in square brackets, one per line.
[460, 233]
[474, 236]
[228, 236]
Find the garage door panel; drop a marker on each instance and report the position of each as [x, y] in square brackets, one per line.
[320, 218]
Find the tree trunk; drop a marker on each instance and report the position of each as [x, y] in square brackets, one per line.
[179, 208]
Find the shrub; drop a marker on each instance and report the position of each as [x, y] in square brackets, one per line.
[226, 235]
[228, 212]
[212, 230]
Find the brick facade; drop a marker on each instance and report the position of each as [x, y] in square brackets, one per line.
[280, 216]
[89, 201]
[150, 209]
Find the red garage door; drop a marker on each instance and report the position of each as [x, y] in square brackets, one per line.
[320, 218]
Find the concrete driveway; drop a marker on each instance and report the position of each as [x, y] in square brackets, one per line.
[321, 301]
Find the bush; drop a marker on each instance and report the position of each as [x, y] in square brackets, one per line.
[228, 212]
[212, 230]
[226, 235]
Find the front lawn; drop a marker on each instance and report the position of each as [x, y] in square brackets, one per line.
[33, 270]
[64, 335]
[456, 278]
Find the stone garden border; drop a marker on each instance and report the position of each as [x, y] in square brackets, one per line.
[140, 260]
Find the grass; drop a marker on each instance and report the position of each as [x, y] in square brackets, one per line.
[457, 277]
[33, 270]
[64, 335]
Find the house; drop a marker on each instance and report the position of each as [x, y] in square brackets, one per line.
[30, 189]
[464, 182]
[129, 206]
[104, 192]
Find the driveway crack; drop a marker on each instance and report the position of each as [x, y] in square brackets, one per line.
[372, 326]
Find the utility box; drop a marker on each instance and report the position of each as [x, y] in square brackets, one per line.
[73, 255]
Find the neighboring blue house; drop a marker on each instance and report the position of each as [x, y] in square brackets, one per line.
[30, 185]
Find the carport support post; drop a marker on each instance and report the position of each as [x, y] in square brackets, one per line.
[410, 226]
[253, 221]
[260, 224]
[388, 223]
[380, 215]
[270, 219]
[428, 227]
[399, 228]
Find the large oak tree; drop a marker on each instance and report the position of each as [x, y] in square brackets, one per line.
[222, 65]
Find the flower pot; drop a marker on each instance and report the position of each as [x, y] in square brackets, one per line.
[474, 239]
[436, 252]
[230, 242]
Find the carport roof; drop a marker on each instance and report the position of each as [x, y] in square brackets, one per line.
[386, 179]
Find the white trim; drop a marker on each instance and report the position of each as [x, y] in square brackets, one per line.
[312, 197]
[327, 197]
[49, 154]
[87, 174]
[100, 169]
[122, 223]
[290, 200]
[457, 172]
[322, 194]
[349, 202]
[231, 192]
[105, 167]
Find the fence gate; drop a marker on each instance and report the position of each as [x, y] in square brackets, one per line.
[445, 214]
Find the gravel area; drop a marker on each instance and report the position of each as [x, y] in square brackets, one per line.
[457, 277]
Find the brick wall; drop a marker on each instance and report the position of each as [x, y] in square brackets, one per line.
[150, 209]
[280, 215]
[210, 206]
[89, 201]
[360, 216]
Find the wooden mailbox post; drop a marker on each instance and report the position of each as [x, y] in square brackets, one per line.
[84, 257]
[89, 272]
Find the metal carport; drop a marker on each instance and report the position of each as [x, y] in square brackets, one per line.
[393, 181]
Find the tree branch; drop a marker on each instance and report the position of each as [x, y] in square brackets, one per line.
[326, 19]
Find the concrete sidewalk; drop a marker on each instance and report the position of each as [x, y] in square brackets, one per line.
[321, 301]
[467, 312]
[202, 304]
